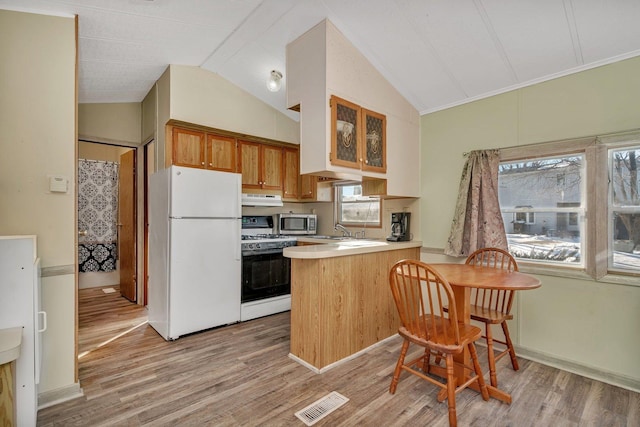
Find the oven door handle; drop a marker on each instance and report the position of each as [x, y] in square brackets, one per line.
[262, 252]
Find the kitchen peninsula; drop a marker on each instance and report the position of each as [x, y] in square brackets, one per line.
[340, 298]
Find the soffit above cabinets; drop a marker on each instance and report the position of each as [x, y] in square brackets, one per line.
[436, 54]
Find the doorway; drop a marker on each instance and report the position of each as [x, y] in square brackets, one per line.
[106, 217]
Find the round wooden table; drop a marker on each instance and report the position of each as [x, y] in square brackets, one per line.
[462, 278]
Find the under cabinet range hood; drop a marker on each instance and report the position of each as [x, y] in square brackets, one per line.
[261, 199]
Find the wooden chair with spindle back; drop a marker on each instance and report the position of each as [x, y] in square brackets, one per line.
[420, 294]
[493, 307]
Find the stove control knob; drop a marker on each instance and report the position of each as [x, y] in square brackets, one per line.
[257, 245]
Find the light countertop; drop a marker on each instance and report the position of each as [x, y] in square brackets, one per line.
[330, 248]
[10, 343]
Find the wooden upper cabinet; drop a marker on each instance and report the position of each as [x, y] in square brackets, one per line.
[188, 148]
[308, 184]
[271, 167]
[249, 164]
[291, 173]
[374, 146]
[260, 165]
[358, 137]
[221, 153]
[197, 149]
[345, 133]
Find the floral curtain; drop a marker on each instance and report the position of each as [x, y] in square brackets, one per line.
[97, 215]
[477, 222]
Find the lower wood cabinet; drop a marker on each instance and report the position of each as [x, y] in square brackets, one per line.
[342, 305]
[7, 394]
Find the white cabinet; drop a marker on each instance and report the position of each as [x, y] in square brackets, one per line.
[20, 307]
[322, 63]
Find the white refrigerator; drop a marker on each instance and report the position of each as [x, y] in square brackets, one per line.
[194, 250]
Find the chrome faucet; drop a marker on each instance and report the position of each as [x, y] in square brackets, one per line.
[345, 232]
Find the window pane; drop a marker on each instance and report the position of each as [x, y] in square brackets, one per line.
[540, 183]
[538, 243]
[355, 208]
[624, 174]
[541, 200]
[624, 210]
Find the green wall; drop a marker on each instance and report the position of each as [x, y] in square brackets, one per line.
[552, 322]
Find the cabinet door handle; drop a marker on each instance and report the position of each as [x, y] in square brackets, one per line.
[202, 163]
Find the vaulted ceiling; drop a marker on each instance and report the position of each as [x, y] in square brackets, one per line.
[436, 53]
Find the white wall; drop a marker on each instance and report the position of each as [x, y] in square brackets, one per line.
[113, 122]
[38, 139]
[585, 326]
[202, 97]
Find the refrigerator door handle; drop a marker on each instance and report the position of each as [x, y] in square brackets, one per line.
[238, 247]
[44, 320]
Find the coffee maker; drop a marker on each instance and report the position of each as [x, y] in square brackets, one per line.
[400, 227]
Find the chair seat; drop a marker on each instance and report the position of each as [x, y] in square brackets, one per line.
[444, 340]
[488, 315]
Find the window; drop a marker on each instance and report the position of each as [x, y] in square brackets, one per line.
[624, 209]
[355, 209]
[538, 196]
[575, 203]
[524, 217]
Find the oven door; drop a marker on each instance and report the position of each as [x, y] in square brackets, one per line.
[265, 274]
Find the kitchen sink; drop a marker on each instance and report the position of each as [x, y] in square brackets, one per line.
[332, 237]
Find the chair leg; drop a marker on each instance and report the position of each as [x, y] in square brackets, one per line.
[512, 352]
[491, 355]
[426, 359]
[451, 391]
[476, 368]
[396, 373]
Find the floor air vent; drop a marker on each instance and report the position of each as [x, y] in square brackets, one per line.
[321, 408]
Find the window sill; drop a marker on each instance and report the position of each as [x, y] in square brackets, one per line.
[577, 273]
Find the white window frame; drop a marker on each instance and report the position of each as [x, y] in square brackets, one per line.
[527, 155]
[595, 219]
[617, 143]
[338, 206]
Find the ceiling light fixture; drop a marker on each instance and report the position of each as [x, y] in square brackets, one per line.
[274, 81]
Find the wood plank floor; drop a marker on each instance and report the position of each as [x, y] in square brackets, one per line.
[240, 375]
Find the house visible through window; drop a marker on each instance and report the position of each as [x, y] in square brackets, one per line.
[538, 196]
[624, 209]
[554, 195]
[355, 209]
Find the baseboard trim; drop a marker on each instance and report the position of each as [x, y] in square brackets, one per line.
[59, 395]
[594, 373]
[341, 361]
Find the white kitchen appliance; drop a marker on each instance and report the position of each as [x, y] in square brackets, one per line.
[261, 200]
[297, 223]
[194, 250]
[266, 272]
[20, 306]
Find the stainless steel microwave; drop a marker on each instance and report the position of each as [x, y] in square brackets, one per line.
[296, 223]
